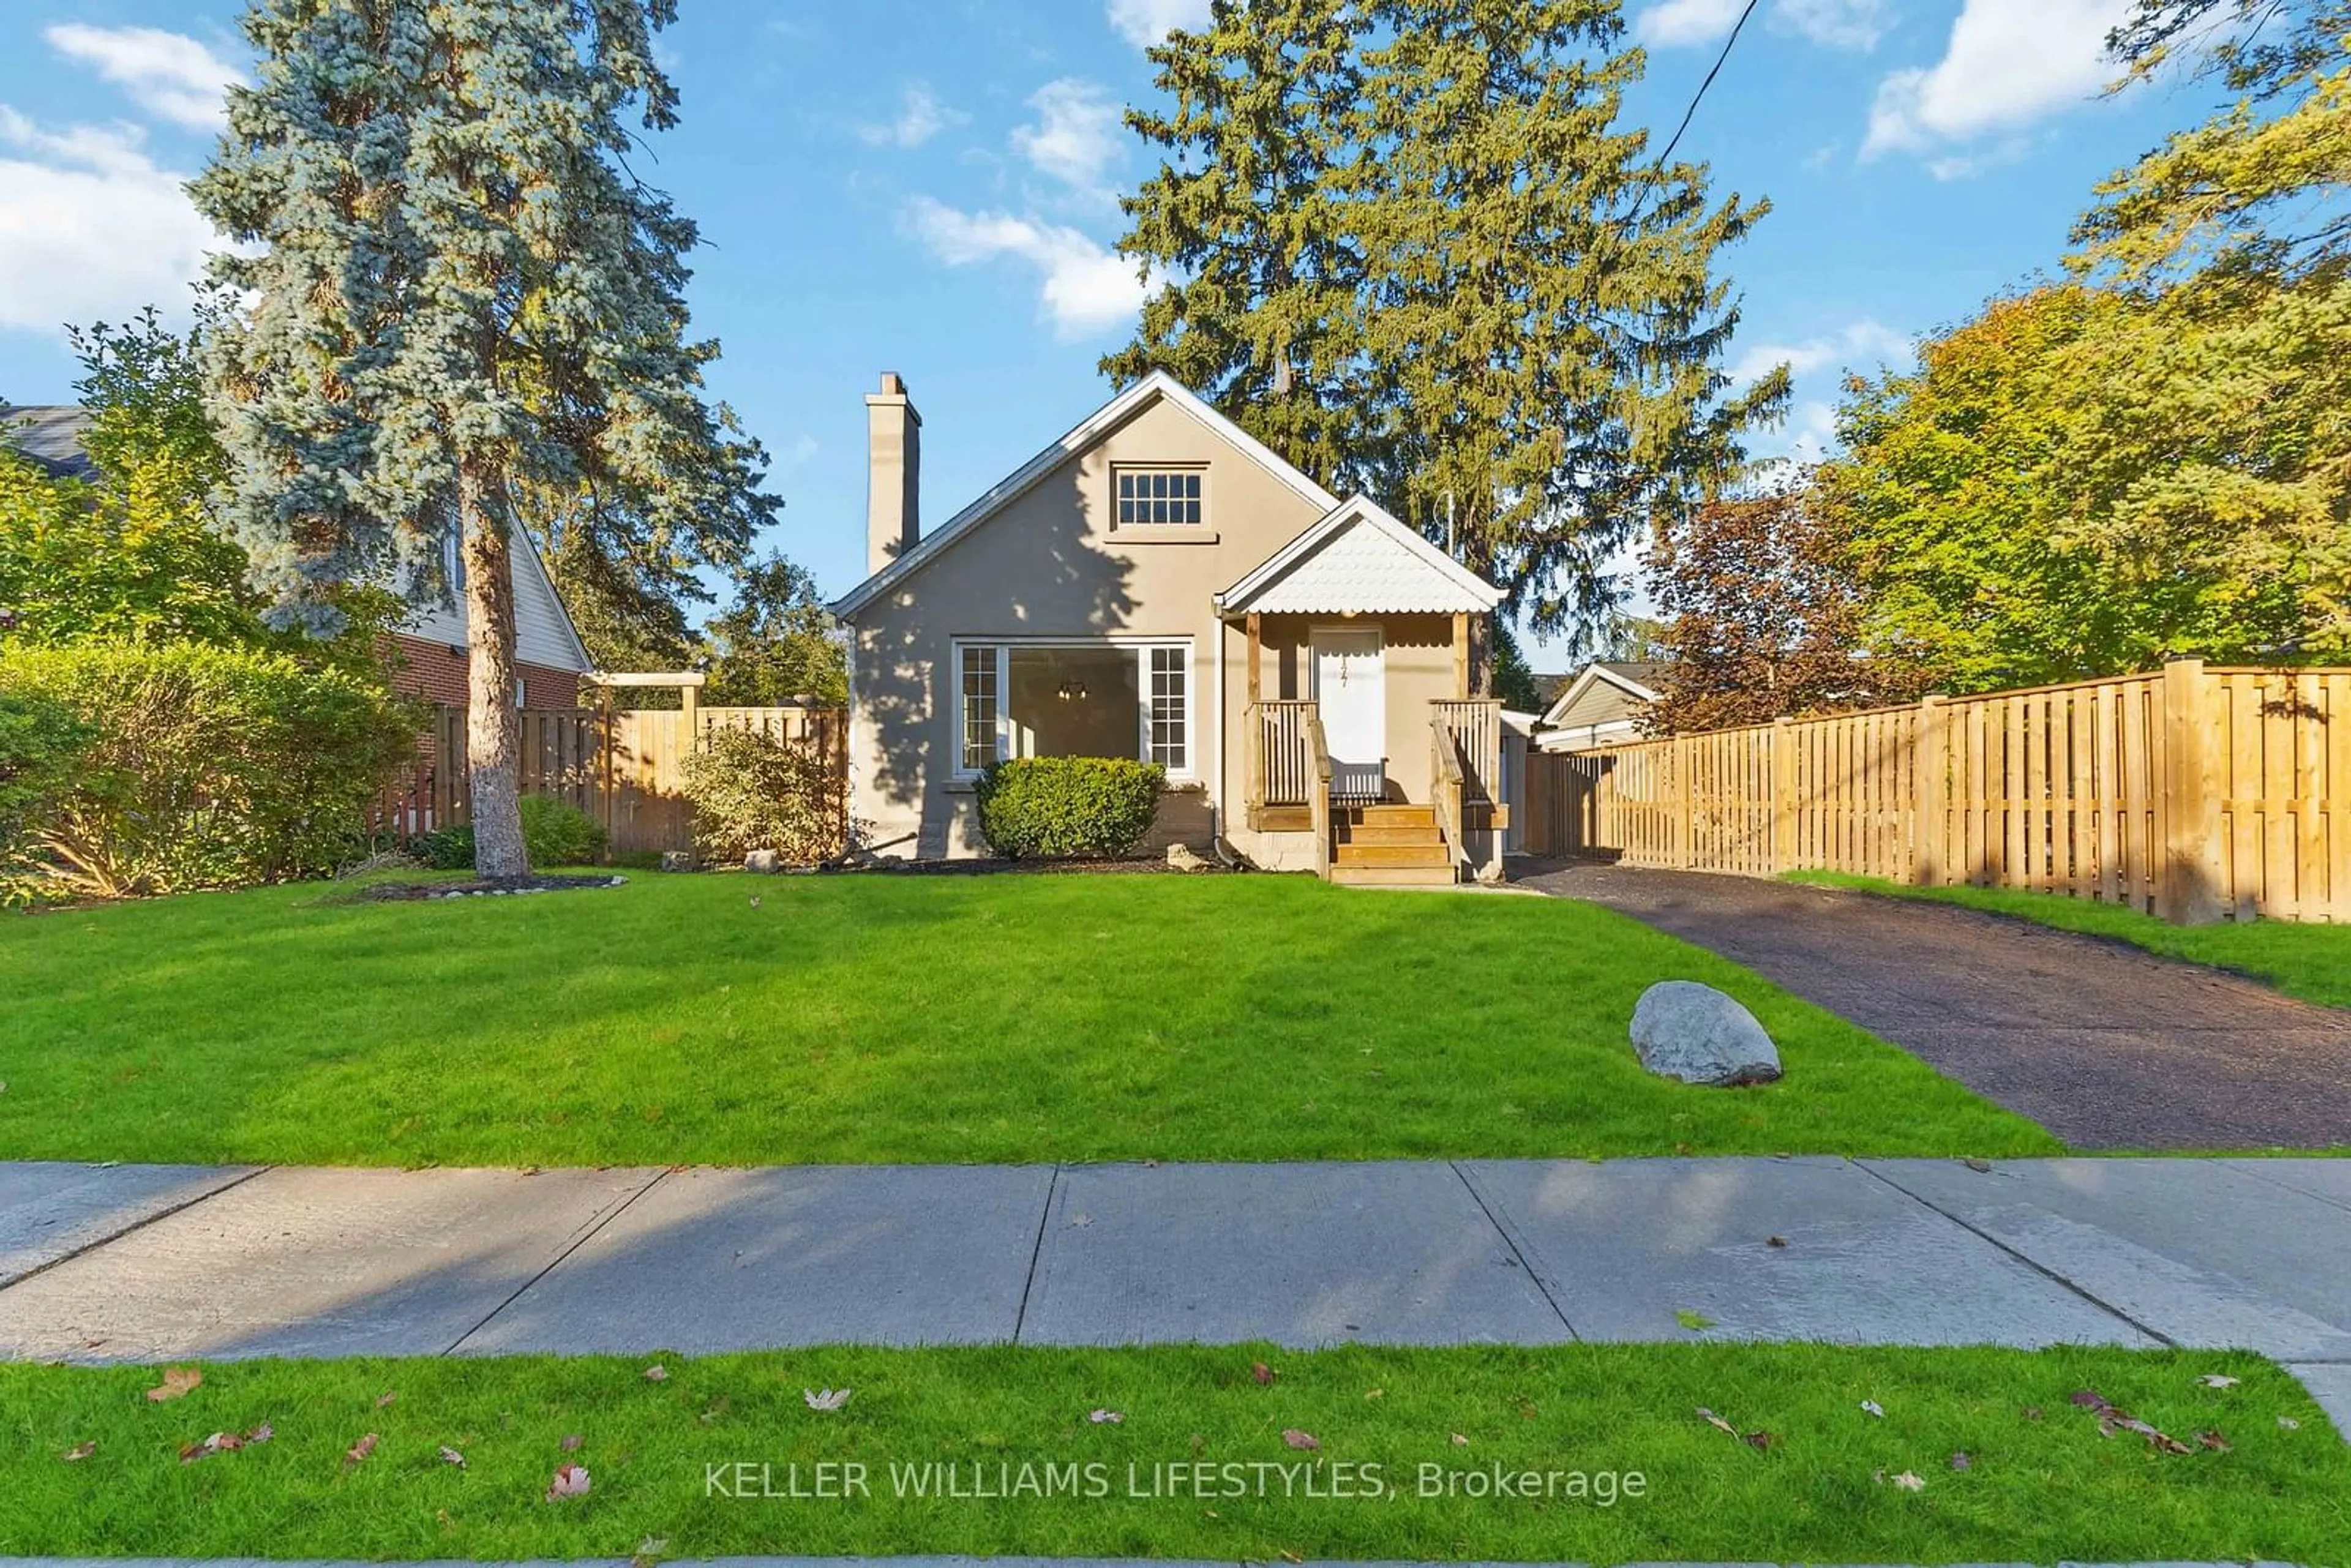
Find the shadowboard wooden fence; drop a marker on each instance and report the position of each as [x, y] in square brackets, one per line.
[2196, 793]
[624, 768]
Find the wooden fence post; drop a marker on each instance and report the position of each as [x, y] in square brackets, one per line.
[1930, 774]
[2186, 890]
[1783, 796]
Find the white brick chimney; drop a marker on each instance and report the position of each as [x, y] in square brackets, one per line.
[894, 472]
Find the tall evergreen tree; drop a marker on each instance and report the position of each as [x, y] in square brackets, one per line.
[462, 300]
[1410, 242]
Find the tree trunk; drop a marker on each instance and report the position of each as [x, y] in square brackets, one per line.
[493, 732]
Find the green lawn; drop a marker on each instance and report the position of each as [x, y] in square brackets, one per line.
[2309, 961]
[731, 1019]
[2039, 1481]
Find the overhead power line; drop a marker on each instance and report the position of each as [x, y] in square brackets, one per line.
[1695, 99]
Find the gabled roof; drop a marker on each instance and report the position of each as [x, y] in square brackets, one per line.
[50, 435]
[1631, 676]
[1358, 557]
[1156, 387]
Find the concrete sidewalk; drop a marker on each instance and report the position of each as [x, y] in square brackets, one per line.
[132, 1263]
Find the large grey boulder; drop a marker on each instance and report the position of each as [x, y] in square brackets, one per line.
[1695, 1033]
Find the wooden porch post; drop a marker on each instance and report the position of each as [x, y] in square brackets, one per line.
[1256, 658]
[1460, 655]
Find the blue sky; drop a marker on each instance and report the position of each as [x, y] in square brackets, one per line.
[929, 188]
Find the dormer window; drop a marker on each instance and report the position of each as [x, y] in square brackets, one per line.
[1153, 497]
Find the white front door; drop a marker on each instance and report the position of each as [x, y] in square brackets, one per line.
[1351, 695]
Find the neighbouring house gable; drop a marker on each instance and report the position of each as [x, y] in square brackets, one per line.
[1598, 695]
[1155, 429]
[543, 631]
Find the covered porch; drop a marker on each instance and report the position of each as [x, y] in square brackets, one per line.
[1369, 739]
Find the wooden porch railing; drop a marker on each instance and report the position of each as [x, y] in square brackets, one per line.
[1318, 791]
[1476, 727]
[1446, 785]
[1282, 760]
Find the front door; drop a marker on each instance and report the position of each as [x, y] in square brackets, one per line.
[1351, 695]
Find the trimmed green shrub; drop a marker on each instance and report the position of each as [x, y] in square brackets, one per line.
[196, 768]
[41, 747]
[753, 791]
[1060, 806]
[553, 832]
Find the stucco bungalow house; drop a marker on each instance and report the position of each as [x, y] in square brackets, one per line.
[1156, 583]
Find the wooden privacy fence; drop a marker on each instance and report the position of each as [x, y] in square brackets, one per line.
[624, 768]
[2195, 793]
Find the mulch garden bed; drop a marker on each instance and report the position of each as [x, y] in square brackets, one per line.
[491, 887]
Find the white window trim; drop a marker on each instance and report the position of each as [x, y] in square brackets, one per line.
[1207, 523]
[1139, 647]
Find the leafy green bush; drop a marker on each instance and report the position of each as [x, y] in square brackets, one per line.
[196, 766]
[41, 745]
[553, 832]
[753, 791]
[1054, 807]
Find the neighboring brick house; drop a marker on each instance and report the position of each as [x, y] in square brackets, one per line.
[431, 647]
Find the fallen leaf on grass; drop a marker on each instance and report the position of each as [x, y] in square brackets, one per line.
[571, 1441]
[2289, 1424]
[1872, 1408]
[1263, 1372]
[825, 1399]
[1460, 1441]
[657, 1373]
[357, 1452]
[1979, 1166]
[1375, 1394]
[2032, 1413]
[2214, 1441]
[386, 1397]
[218, 1443]
[1289, 1556]
[1696, 1322]
[1960, 1461]
[1910, 1481]
[450, 1456]
[2217, 1380]
[1717, 1422]
[571, 1481]
[178, 1382]
[2111, 1419]
[1762, 1441]
[1298, 1439]
[78, 1452]
[1101, 1417]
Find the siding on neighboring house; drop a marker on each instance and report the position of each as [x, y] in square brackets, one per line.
[436, 672]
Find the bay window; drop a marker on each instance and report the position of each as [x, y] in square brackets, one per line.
[1033, 698]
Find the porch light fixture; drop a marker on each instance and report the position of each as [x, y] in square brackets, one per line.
[1071, 691]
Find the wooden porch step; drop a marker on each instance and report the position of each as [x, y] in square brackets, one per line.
[1392, 876]
[1385, 833]
[1395, 855]
[1389, 816]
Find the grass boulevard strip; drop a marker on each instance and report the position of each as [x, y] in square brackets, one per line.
[1592, 1453]
[716, 1019]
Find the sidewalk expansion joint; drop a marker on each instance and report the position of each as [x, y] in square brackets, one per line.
[555, 1262]
[111, 1236]
[1036, 1250]
[1517, 1251]
[2042, 1269]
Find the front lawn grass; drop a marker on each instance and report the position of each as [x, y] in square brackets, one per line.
[2306, 960]
[743, 1021]
[2010, 1469]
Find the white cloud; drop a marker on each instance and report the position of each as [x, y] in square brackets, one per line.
[1082, 287]
[90, 226]
[1078, 134]
[1833, 24]
[1144, 22]
[1863, 344]
[1685, 24]
[922, 115]
[2008, 63]
[166, 74]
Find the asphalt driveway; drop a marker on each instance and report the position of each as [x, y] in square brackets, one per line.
[2107, 1046]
